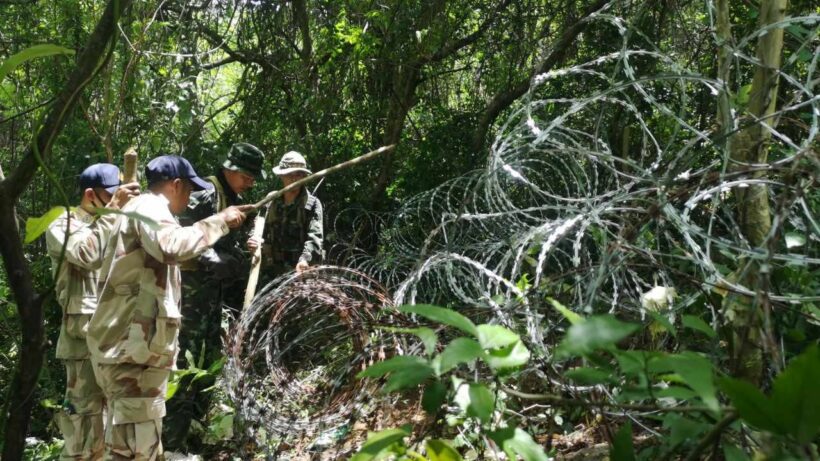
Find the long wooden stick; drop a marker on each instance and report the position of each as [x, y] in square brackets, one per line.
[321, 174]
[259, 222]
[130, 174]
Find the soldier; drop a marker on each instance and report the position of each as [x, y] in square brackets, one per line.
[293, 224]
[217, 276]
[82, 233]
[132, 336]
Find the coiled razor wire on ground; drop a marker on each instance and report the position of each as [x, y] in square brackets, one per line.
[294, 354]
[555, 212]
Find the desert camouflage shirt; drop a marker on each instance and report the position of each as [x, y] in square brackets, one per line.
[77, 277]
[138, 315]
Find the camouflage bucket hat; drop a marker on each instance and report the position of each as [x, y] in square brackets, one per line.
[246, 158]
[291, 163]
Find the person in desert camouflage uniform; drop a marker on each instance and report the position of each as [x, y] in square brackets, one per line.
[132, 336]
[213, 281]
[83, 234]
[294, 228]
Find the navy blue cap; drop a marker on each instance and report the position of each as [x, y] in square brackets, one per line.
[103, 175]
[167, 167]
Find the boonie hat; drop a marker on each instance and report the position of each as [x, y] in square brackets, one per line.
[246, 158]
[291, 163]
[103, 175]
[167, 167]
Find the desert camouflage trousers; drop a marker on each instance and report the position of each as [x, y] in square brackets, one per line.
[81, 420]
[136, 405]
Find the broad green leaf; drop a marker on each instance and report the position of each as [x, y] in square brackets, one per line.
[511, 356]
[380, 441]
[796, 396]
[216, 367]
[36, 226]
[32, 52]
[751, 404]
[696, 323]
[171, 389]
[408, 377]
[460, 350]
[676, 392]
[390, 365]
[476, 400]
[441, 315]
[495, 336]
[427, 336]
[433, 397]
[622, 448]
[682, 428]
[695, 370]
[573, 317]
[516, 441]
[588, 376]
[439, 450]
[597, 332]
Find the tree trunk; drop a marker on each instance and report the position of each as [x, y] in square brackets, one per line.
[20, 397]
[747, 147]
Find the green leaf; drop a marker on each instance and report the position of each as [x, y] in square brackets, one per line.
[796, 396]
[751, 404]
[588, 376]
[390, 365]
[460, 350]
[408, 377]
[696, 323]
[597, 332]
[32, 52]
[216, 367]
[171, 389]
[516, 441]
[573, 317]
[433, 397]
[476, 400]
[441, 315]
[377, 442]
[622, 448]
[697, 372]
[495, 336]
[511, 356]
[682, 429]
[427, 336]
[439, 450]
[36, 226]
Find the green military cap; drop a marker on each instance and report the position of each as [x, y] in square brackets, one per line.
[246, 158]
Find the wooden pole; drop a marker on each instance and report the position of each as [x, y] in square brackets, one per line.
[259, 222]
[130, 167]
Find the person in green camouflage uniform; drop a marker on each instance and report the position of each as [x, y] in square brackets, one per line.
[211, 282]
[294, 231]
[76, 273]
[132, 335]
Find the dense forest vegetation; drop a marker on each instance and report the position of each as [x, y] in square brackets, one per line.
[615, 202]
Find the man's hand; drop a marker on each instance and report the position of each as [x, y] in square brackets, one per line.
[301, 266]
[123, 194]
[253, 244]
[234, 216]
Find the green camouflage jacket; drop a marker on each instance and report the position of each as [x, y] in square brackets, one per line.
[294, 232]
[138, 315]
[77, 278]
[228, 258]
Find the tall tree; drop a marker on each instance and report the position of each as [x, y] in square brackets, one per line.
[19, 401]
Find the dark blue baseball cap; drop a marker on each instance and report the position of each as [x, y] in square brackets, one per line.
[167, 167]
[103, 175]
